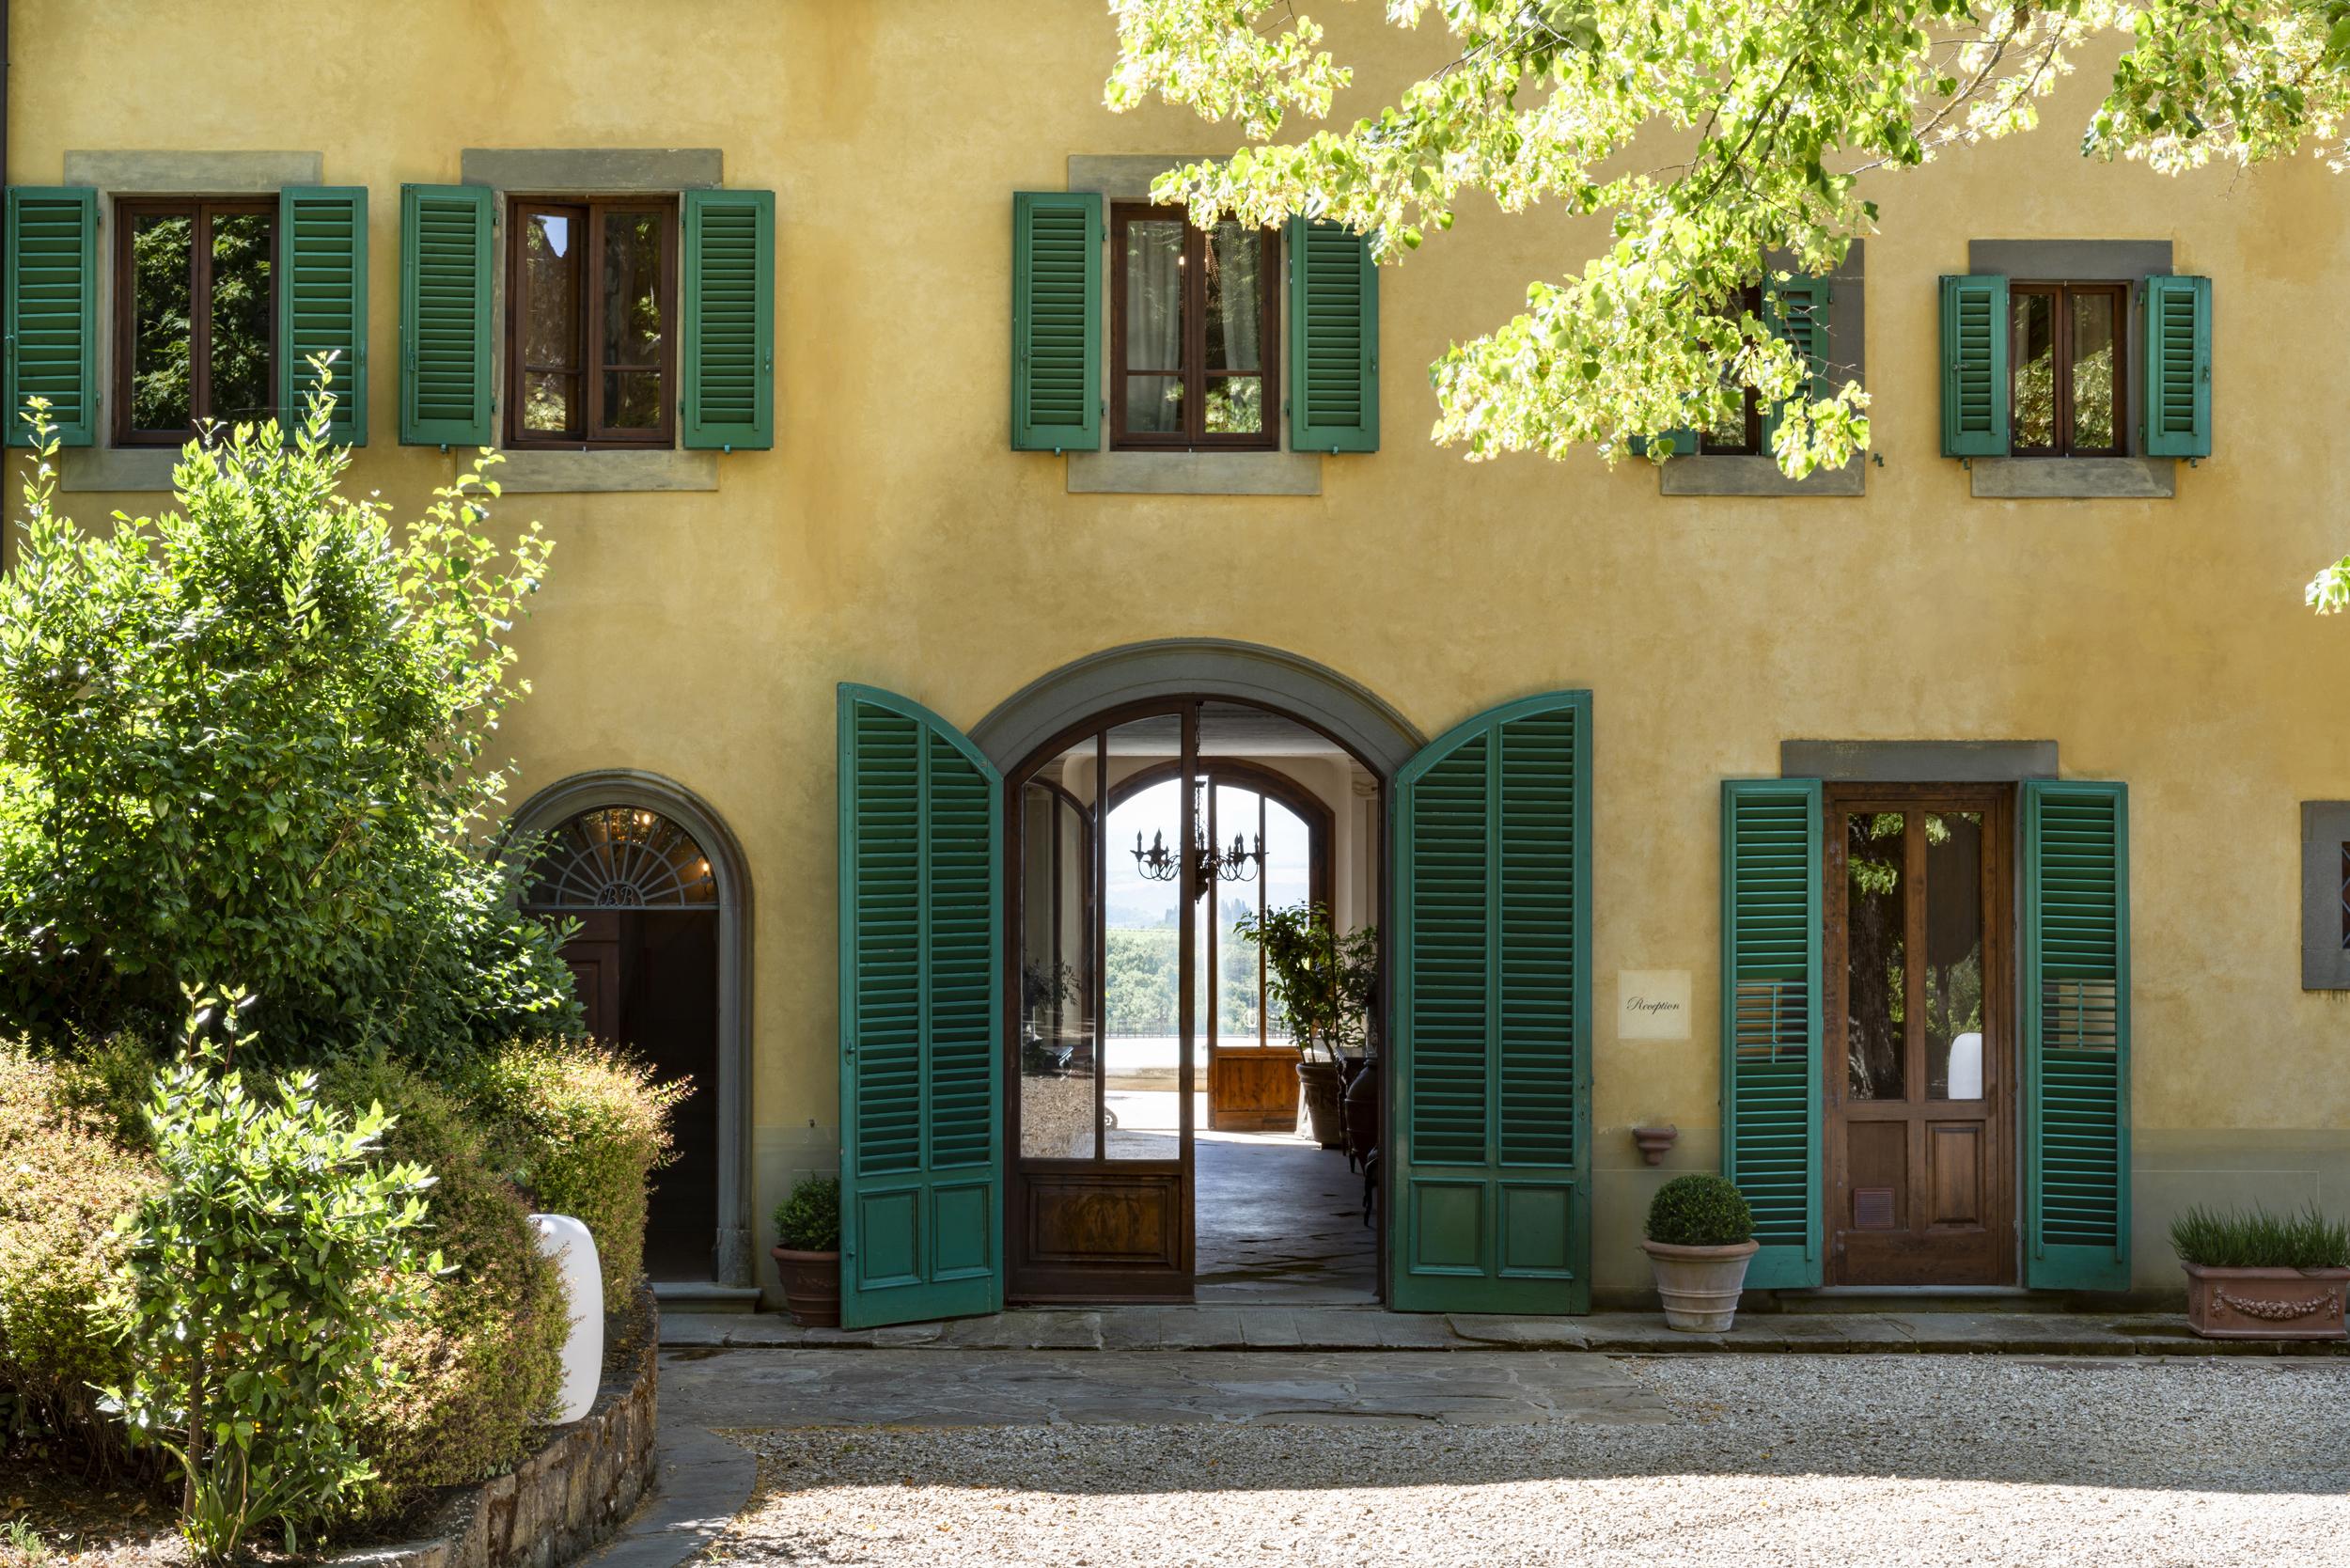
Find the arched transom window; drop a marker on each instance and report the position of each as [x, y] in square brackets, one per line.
[621, 857]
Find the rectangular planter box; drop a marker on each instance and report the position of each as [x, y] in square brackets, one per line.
[2266, 1303]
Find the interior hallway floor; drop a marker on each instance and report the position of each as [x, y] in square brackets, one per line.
[1278, 1222]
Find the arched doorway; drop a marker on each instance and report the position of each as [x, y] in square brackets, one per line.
[655, 886]
[1152, 1098]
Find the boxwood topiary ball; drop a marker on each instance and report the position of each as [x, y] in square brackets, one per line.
[1699, 1211]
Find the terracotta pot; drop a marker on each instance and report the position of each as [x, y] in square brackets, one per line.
[811, 1286]
[2267, 1303]
[1319, 1083]
[1699, 1284]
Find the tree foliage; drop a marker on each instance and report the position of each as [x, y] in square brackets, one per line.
[246, 744]
[1707, 137]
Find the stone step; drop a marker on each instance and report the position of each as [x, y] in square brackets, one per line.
[688, 1296]
[1929, 1298]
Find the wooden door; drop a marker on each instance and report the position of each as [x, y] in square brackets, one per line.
[594, 957]
[1920, 1074]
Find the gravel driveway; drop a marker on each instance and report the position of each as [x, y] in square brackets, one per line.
[1843, 1460]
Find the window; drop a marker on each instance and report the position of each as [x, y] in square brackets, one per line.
[2067, 376]
[592, 303]
[2326, 894]
[1744, 439]
[196, 337]
[1192, 333]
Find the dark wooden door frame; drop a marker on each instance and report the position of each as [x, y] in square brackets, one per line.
[1025, 1280]
[2002, 1055]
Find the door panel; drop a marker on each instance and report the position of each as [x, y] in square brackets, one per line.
[1492, 1126]
[1253, 1091]
[1918, 1091]
[921, 1015]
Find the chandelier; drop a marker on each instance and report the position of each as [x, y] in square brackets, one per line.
[1239, 863]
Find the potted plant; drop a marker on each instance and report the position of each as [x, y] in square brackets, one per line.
[807, 1251]
[1701, 1234]
[1324, 985]
[2260, 1276]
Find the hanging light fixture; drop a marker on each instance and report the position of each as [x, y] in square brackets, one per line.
[1239, 863]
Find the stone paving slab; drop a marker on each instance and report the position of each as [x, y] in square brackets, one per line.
[1368, 1330]
[737, 1390]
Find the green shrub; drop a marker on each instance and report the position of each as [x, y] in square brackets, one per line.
[1699, 1211]
[809, 1219]
[477, 1370]
[247, 741]
[580, 1128]
[2209, 1238]
[256, 1295]
[65, 1179]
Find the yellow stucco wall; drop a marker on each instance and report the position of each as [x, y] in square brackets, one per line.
[891, 537]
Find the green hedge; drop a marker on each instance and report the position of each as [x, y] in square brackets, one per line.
[483, 1360]
[65, 1178]
[581, 1128]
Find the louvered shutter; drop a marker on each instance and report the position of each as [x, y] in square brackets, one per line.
[1057, 240]
[1799, 310]
[729, 362]
[447, 241]
[1490, 1048]
[322, 303]
[1771, 1000]
[921, 836]
[1974, 365]
[2077, 1036]
[52, 310]
[2177, 393]
[1333, 340]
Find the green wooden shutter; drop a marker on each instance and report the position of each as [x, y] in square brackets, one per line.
[1056, 241]
[52, 310]
[1490, 1048]
[1974, 365]
[322, 303]
[1799, 310]
[447, 241]
[2177, 393]
[2077, 1036]
[728, 364]
[1333, 341]
[921, 840]
[1771, 998]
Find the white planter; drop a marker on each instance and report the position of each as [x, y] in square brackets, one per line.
[566, 1241]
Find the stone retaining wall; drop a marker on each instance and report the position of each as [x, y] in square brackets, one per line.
[563, 1499]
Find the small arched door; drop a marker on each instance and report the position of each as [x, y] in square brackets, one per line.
[644, 900]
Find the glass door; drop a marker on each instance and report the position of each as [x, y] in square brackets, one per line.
[1918, 1091]
[1109, 938]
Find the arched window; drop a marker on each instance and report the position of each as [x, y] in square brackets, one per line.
[621, 857]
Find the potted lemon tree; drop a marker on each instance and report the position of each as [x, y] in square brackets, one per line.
[1701, 1235]
[2260, 1276]
[807, 1251]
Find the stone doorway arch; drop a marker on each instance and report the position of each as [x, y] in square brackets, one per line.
[630, 789]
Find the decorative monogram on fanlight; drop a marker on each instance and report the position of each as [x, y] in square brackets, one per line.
[621, 857]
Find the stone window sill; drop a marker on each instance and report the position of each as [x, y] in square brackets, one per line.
[2120, 478]
[123, 469]
[544, 473]
[1195, 473]
[1755, 476]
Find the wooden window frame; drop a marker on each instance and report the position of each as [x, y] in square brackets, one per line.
[202, 208]
[1195, 435]
[596, 433]
[2060, 296]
